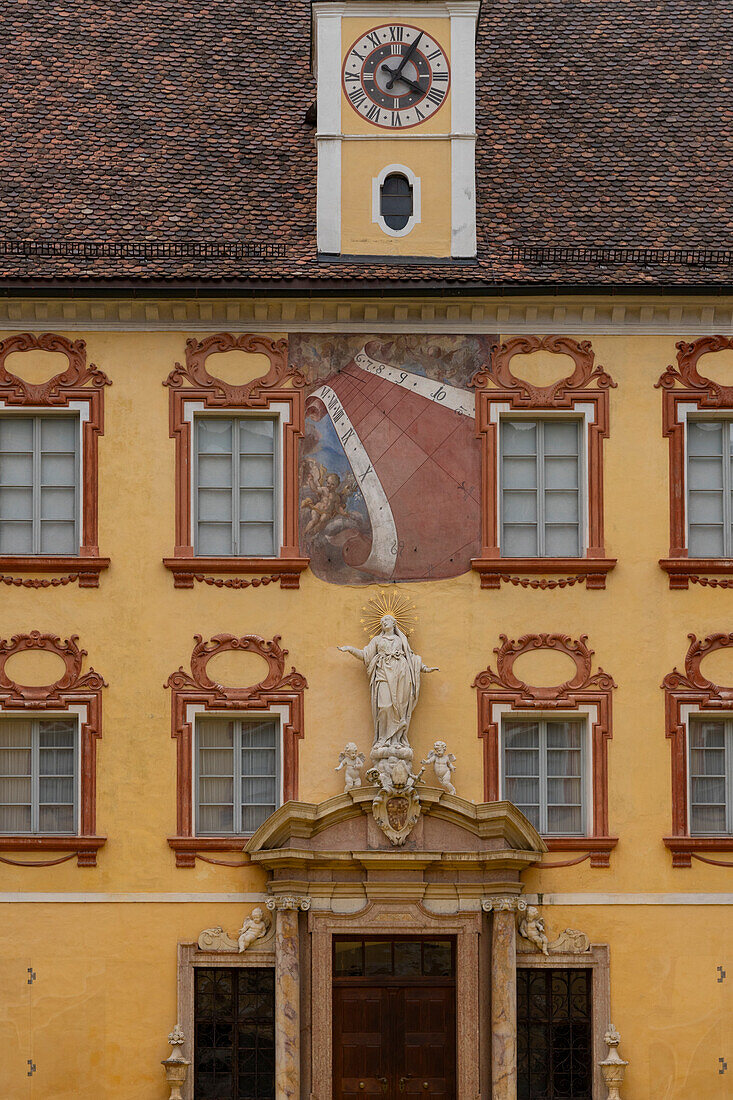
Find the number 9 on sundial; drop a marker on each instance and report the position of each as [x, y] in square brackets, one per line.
[396, 76]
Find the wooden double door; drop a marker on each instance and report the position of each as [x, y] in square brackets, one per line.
[394, 1032]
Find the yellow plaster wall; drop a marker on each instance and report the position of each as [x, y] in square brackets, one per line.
[101, 1020]
[361, 161]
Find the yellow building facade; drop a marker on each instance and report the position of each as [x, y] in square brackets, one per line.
[366, 546]
[89, 953]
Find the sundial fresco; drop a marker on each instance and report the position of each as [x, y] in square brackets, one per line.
[390, 463]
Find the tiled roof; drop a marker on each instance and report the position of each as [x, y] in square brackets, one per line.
[605, 123]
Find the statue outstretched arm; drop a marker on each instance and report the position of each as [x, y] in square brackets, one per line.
[358, 653]
[426, 669]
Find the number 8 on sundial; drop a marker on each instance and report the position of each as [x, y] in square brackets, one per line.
[396, 76]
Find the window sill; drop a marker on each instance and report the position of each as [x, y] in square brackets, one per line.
[85, 570]
[684, 848]
[187, 570]
[571, 571]
[186, 847]
[598, 847]
[86, 847]
[698, 570]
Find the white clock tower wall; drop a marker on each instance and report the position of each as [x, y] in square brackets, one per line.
[396, 128]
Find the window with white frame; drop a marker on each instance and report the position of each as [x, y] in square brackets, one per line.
[39, 484]
[711, 776]
[235, 486]
[710, 488]
[541, 478]
[237, 774]
[39, 773]
[544, 772]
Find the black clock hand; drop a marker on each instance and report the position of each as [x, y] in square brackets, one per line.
[398, 71]
[404, 79]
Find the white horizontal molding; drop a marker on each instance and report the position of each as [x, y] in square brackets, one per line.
[628, 899]
[326, 136]
[623, 315]
[32, 897]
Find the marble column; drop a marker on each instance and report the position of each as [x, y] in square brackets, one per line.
[503, 997]
[287, 995]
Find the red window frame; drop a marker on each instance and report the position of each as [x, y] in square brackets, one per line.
[684, 690]
[584, 687]
[497, 385]
[193, 383]
[684, 385]
[73, 688]
[78, 383]
[277, 688]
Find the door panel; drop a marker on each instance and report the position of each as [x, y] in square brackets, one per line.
[428, 1054]
[360, 1041]
[394, 1041]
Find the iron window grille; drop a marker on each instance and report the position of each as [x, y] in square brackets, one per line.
[554, 1037]
[234, 1033]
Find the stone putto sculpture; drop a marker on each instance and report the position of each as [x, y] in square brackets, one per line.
[254, 928]
[444, 763]
[532, 928]
[352, 761]
[394, 673]
[532, 931]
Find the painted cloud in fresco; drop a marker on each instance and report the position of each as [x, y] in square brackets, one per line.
[390, 462]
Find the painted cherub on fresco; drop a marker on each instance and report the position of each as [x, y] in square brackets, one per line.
[352, 761]
[327, 498]
[444, 763]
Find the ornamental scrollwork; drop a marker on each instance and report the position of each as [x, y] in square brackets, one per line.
[270, 651]
[278, 688]
[288, 901]
[48, 694]
[692, 679]
[16, 391]
[686, 374]
[498, 372]
[220, 392]
[576, 649]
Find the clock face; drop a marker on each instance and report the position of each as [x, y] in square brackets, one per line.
[396, 76]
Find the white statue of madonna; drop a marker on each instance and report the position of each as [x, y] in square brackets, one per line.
[394, 676]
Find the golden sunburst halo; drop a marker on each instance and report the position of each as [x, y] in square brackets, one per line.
[399, 606]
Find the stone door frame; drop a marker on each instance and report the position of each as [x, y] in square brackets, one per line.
[598, 960]
[396, 918]
[189, 957]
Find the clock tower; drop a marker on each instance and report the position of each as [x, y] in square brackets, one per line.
[396, 127]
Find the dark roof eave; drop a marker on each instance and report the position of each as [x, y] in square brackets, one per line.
[329, 288]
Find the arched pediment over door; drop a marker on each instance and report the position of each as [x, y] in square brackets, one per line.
[334, 872]
[336, 849]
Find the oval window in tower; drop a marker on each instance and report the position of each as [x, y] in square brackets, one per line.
[396, 201]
